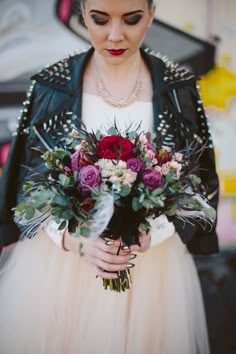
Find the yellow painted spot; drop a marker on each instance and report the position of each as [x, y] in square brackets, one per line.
[228, 184]
[218, 86]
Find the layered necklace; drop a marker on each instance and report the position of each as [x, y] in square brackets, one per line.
[119, 101]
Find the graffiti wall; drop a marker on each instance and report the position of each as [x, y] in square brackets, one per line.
[214, 20]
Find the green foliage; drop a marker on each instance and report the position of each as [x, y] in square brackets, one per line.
[125, 190]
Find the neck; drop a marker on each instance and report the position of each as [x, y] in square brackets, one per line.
[122, 72]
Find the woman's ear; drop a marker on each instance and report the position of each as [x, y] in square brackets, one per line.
[152, 15]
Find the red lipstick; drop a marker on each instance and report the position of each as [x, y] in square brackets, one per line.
[116, 51]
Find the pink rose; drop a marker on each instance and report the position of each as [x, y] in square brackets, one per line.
[135, 164]
[150, 147]
[89, 178]
[152, 179]
[80, 159]
[178, 156]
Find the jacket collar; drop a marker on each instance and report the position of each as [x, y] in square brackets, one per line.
[67, 74]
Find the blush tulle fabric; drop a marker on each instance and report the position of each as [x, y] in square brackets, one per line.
[51, 303]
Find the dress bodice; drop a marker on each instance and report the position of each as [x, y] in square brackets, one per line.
[97, 114]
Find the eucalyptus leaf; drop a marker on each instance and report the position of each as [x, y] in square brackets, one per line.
[132, 135]
[28, 186]
[67, 215]
[59, 200]
[112, 131]
[62, 225]
[29, 212]
[98, 134]
[125, 190]
[65, 180]
[171, 211]
[170, 176]
[136, 206]
[84, 231]
[157, 192]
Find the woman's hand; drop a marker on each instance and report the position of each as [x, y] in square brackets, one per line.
[145, 242]
[100, 254]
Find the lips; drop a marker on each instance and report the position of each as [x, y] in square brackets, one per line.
[116, 51]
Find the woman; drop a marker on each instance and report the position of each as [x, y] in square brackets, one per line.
[50, 299]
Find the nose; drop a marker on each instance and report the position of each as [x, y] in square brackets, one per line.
[116, 34]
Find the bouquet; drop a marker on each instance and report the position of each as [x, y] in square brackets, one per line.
[110, 185]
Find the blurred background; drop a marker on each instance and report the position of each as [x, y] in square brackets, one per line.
[200, 35]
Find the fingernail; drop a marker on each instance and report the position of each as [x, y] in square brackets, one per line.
[115, 276]
[109, 243]
[124, 248]
[132, 256]
[130, 265]
[106, 239]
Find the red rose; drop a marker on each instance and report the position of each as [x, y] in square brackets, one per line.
[114, 147]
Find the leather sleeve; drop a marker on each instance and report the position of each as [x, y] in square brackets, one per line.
[14, 170]
[200, 239]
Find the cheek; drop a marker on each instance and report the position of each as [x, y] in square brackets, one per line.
[96, 35]
[137, 34]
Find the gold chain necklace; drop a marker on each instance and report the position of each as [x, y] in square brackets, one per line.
[122, 101]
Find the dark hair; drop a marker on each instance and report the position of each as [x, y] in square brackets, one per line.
[150, 3]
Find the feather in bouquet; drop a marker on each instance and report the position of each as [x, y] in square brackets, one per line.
[110, 185]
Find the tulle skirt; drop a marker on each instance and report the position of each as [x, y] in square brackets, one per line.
[52, 303]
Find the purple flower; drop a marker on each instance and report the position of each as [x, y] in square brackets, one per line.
[134, 164]
[152, 179]
[88, 178]
[75, 161]
[150, 147]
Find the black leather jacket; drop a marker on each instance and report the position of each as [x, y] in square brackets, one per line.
[49, 113]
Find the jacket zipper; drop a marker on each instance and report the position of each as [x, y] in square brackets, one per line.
[43, 141]
[176, 101]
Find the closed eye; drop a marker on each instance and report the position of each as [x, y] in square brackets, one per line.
[98, 20]
[133, 20]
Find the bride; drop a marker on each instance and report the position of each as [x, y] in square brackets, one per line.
[51, 300]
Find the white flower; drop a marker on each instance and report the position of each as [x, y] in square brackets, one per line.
[158, 168]
[175, 165]
[129, 177]
[111, 167]
[125, 177]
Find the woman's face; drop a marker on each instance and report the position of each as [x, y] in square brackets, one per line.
[117, 28]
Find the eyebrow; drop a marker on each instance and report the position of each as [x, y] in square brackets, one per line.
[126, 14]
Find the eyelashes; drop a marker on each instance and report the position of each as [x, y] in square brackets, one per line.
[134, 20]
[131, 21]
[98, 20]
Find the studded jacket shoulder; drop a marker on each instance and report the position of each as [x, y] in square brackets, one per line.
[53, 103]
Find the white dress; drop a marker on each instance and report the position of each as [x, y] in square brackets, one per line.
[52, 303]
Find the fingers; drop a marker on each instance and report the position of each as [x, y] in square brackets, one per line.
[145, 242]
[103, 257]
[106, 270]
